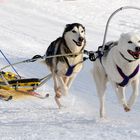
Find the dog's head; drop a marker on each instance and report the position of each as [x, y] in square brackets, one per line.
[74, 36]
[129, 45]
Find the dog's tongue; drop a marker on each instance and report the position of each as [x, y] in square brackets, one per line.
[136, 54]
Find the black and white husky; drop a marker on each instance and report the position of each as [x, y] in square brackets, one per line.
[65, 68]
[120, 66]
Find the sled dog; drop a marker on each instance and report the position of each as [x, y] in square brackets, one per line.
[121, 67]
[65, 68]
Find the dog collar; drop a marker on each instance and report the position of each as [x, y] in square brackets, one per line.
[125, 77]
[126, 58]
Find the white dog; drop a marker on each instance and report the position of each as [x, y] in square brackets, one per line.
[120, 65]
[65, 68]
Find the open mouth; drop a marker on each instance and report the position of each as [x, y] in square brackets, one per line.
[136, 55]
[78, 43]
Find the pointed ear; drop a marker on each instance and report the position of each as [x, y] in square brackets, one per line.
[66, 29]
[122, 35]
[67, 25]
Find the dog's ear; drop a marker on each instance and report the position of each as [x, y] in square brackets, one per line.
[83, 27]
[66, 29]
[67, 25]
[122, 35]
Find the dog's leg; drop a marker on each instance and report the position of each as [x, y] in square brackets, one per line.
[65, 79]
[63, 86]
[57, 91]
[101, 94]
[100, 81]
[120, 91]
[70, 80]
[135, 87]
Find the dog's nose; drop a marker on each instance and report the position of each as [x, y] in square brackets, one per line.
[137, 49]
[80, 39]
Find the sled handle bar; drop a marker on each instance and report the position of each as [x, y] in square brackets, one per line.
[109, 19]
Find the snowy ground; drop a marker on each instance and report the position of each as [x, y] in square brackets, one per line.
[26, 28]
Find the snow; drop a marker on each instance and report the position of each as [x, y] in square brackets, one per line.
[27, 27]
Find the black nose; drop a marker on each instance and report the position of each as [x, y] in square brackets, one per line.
[80, 39]
[137, 49]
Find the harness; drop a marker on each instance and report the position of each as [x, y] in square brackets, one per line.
[52, 50]
[71, 67]
[125, 77]
[99, 53]
[107, 48]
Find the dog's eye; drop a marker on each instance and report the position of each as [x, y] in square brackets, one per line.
[82, 31]
[129, 42]
[73, 31]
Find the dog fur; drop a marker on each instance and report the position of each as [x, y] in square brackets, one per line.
[126, 55]
[72, 41]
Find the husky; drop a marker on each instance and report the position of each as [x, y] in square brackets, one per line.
[120, 65]
[65, 68]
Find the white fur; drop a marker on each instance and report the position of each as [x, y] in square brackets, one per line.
[107, 71]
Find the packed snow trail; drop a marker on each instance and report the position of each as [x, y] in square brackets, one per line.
[27, 27]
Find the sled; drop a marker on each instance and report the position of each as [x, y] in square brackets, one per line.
[11, 84]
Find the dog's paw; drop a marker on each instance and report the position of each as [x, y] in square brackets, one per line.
[127, 109]
[62, 107]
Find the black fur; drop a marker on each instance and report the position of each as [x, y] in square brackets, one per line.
[71, 26]
[52, 50]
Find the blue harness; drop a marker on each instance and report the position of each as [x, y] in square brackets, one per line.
[71, 67]
[125, 77]
[70, 70]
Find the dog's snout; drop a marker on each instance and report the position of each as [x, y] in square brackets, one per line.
[81, 39]
[137, 49]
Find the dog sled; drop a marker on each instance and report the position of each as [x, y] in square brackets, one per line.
[11, 82]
